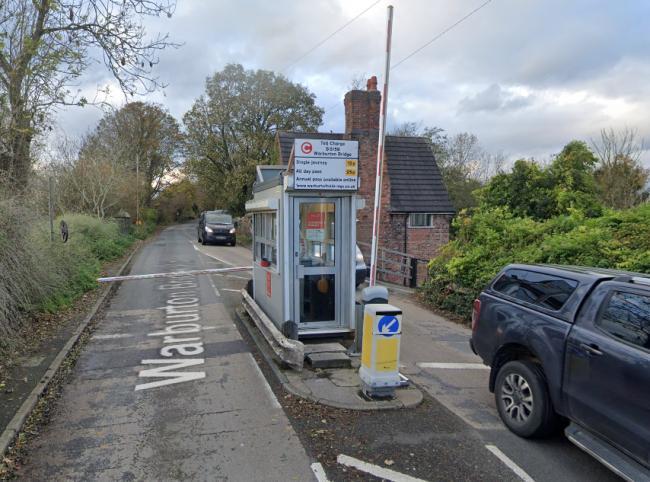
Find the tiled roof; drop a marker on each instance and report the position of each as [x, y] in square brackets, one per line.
[416, 184]
[415, 181]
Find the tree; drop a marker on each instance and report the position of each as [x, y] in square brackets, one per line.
[86, 181]
[140, 137]
[620, 176]
[231, 128]
[531, 190]
[47, 44]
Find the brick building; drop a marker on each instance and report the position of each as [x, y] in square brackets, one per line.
[416, 210]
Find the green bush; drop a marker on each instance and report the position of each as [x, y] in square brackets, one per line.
[38, 275]
[489, 239]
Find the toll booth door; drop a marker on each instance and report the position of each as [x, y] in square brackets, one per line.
[317, 255]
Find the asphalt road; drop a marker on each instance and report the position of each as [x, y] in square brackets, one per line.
[213, 416]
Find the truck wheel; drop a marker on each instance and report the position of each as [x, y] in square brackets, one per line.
[523, 400]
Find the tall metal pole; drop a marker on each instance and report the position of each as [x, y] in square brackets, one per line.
[137, 188]
[376, 219]
[50, 207]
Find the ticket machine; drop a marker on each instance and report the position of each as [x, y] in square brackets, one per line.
[304, 238]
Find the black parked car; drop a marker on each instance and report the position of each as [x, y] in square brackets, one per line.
[571, 343]
[216, 227]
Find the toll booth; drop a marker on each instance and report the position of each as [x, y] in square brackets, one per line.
[304, 238]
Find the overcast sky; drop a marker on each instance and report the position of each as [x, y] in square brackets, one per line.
[525, 76]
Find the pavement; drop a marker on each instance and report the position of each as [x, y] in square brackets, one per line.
[169, 388]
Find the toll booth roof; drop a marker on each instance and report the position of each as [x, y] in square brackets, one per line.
[268, 176]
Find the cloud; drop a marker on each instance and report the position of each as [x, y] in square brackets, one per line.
[525, 77]
[494, 98]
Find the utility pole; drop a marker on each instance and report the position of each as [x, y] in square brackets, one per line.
[376, 219]
[50, 206]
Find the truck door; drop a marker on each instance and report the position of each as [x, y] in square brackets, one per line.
[607, 370]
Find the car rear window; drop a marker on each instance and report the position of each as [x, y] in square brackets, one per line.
[545, 290]
[627, 316]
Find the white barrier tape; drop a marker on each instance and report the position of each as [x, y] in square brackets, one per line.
[132, 277]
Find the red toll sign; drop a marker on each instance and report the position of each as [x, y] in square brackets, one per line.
[306, 147]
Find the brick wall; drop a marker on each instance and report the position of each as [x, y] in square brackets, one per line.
[424, 243]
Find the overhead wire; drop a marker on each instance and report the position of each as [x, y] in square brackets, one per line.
[294, 62]
[425, 45]
[429, 42]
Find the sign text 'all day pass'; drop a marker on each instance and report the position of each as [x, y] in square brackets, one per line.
[326, 164]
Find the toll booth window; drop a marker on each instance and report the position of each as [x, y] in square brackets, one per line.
[317, 234]
[265, 230]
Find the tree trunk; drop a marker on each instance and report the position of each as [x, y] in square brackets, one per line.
[15, 163]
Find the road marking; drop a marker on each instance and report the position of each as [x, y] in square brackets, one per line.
[265, 383]
[111, 337]
[214, 257]
[319, 472]
[230, 289]
[511, 465]
[455, 366]
[216, 291]
[375, 470]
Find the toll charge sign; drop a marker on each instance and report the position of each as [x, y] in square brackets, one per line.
[326, 164]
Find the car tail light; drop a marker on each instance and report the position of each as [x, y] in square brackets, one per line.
[476, 313]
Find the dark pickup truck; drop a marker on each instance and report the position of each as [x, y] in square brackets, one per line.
[571, 344]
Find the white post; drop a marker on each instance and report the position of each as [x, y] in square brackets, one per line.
[380, 153]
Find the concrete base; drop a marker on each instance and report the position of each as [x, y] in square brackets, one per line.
[335, 387]
[328, 360]
[291, 352]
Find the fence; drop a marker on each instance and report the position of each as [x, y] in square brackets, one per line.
[396, 267]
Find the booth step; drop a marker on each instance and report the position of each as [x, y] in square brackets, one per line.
[324, 348]
[328, 360]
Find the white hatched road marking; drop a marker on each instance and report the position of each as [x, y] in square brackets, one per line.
[454, 366]
[511, 465]
[375, 470]
[210, 255]
[111, 337]
[265, 383]
[319, 472]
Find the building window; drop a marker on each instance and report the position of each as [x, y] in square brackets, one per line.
[420, 220]
[265, 230]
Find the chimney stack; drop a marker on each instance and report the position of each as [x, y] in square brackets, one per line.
[362, 108]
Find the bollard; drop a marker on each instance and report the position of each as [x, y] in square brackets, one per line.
[379, 371]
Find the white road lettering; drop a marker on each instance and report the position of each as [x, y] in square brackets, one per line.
[186, 318]
[181, 317]
[185, 349]
[174, 329]
[166, 372]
